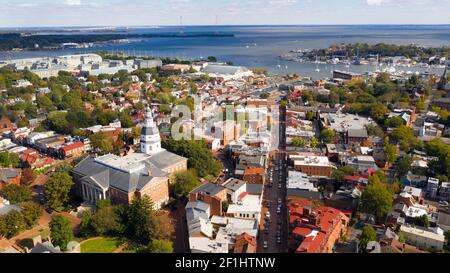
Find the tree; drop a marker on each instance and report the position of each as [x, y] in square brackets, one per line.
[184, 182]
[403, 166]
[339, 173]
[102, 142]
[199, 156]
[422, 221]
[11, 224]
[313, 142]
[394, 122]
[104, 221]
[283, 103]
[125, 120]
[57, 121]
[16, 193]
[60, 231]
[298, 142]
[377, 198]
[138, 219]
[368, 235]
[8, 160]
[390, 151]
[447, 238]
[405, 137]
[161, 226]
[31, 213]
[378, 112]
[327, 136]
[86, 229]
[160, 246]
[57, 190]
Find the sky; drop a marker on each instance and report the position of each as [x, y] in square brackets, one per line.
[38, 13]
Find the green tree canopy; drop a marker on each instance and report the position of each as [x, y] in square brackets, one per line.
[377, 198]
[57, 190]
[16, 193]
[199, 156]
[185, 182]
[11, 224]
[60, 231]
[160, 246]
[8, 160]
[31, 213]
[327, 136]
[368, 235]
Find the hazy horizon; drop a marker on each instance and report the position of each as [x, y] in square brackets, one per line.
[116, 13]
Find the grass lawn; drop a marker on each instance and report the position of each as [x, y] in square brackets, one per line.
[100, 245]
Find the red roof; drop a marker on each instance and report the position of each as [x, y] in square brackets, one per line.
[72, 146]
[318, 225]
[242, 195]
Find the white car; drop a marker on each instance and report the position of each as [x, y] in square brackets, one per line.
[279, 201]
[443, 203]
[268, 214]
[265, 244]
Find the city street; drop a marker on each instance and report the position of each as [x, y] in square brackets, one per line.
[274, 240]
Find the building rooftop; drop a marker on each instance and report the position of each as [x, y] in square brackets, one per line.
[311, 160]
[209, 189]
[233, 184]
[360, 133]
[422, 233]
[206, 245]
[298, 180]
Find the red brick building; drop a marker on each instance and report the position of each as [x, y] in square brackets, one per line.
[314, 230]
[72, 150]
[254, 175]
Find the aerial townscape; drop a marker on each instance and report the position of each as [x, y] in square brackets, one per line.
[125, 151]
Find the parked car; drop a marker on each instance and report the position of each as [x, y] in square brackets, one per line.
[278, 210]
[279, 201]
[278, 240]
[265, 244]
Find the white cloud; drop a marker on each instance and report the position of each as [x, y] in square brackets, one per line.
[73, 2]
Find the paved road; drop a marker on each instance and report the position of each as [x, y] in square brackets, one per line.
[275, 192]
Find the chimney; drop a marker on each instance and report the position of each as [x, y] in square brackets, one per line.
[306, 211]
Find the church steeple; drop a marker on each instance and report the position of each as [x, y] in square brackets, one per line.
[150, 138]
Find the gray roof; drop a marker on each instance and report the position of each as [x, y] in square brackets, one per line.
[105, 176]
[6, 174]
[304, 194]
[45, 247]
[357, 133]
[5, 209]
[150, 131]
[165, 159]
[233, 184]
[209, 188]
[255, 189]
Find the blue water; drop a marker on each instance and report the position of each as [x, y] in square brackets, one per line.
[260, 46]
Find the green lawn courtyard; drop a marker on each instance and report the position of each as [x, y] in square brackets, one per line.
[100, 245]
